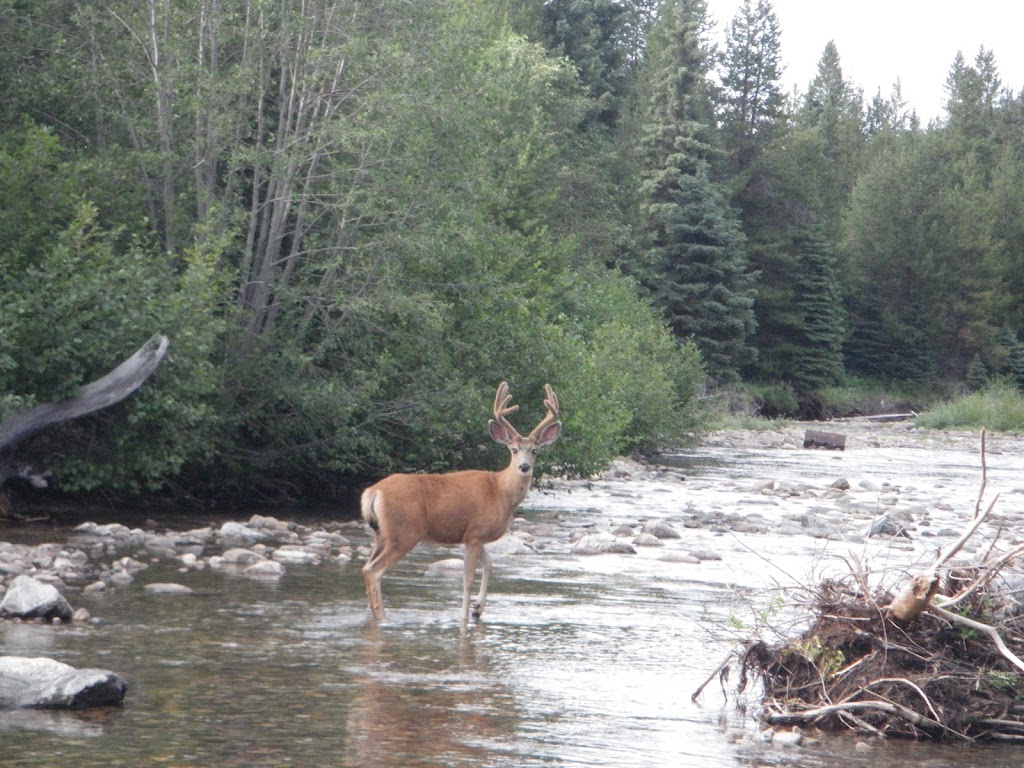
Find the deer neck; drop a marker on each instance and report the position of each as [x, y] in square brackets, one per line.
[515, 483]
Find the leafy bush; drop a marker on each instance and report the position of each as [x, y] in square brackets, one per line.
[82, 308]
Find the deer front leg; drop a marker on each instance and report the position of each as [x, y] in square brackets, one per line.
[473, 552]
[485, 574]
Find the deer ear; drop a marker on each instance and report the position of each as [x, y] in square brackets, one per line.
[550, 434]
[498, 433]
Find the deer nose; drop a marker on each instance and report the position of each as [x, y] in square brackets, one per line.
[524, 467]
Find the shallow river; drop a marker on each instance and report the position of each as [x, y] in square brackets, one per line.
[579, 661]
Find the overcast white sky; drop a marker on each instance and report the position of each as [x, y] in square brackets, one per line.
[882, 40]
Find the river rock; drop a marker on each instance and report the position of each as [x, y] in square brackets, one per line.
[450, 566]
[240, 556]
[27, 598]
[268, 570]
[510, 545]
[294, 554]
[239, 535]
[674, 556]
[601, 544]
[661, 529]
[167, 588]
[705, 554]
[50, 684]
[648, 540]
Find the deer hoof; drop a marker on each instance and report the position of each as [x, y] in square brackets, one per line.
[477, 610]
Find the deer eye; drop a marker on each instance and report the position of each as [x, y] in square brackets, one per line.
[515, 450]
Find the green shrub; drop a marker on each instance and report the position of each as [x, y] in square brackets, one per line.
[999, 407]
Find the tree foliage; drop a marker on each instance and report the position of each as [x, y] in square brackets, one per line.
[354, 220]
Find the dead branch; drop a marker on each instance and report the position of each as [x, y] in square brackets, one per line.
[985, 629]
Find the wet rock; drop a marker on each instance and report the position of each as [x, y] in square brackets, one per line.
[450, 566]
[648, 540]
[661, 529]
[120, 578]
[265, 569]
[705, 554]
[240, 556]
[49, 684]
[268, 523]
[602, 543]
[14, 560]
[27, 598]
[894, 523]
[167, 588]
[787, 738]
[510, 546]
[679, 557]
[239, 535]
[294, 554]
[73, 567]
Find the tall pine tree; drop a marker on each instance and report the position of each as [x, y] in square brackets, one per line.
[696, 266]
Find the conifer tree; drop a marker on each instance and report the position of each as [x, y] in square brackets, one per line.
[592, 34]
[818, 361]
[752, 104]
[695, 264]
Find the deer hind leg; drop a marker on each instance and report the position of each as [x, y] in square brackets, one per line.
[386, 552]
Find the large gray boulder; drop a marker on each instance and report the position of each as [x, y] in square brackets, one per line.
[27, 598]
[43, 683]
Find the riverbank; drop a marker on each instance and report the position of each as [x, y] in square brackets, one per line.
[893, 482]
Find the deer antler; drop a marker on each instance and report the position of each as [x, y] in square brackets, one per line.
[503, 409]
[551, 403]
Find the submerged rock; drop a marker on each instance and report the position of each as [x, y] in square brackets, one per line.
[265, 569]
[50, 684]
[166, 588]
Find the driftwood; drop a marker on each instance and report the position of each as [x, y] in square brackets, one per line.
[102, 393]
[938, 655]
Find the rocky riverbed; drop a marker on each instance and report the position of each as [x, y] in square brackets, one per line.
[665, 512]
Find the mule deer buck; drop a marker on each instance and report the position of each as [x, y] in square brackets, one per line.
[471, 508]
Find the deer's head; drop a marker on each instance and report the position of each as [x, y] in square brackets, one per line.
[523, 450]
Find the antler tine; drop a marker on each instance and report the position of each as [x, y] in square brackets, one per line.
[503, 409]
[551, 403]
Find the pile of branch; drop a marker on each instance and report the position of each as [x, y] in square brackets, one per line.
[937, 657]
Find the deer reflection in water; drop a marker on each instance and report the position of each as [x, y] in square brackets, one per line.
[424, 701]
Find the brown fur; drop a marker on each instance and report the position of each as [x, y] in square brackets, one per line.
[472, 507]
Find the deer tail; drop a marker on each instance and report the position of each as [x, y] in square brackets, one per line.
[367, 504]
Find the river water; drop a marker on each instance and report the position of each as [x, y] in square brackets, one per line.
[579, 660]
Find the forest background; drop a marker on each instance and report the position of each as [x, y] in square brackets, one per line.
[354, 219]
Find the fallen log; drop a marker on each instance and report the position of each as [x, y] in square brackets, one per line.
[831, 440]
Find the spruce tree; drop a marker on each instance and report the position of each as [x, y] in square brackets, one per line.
[592, 34]
[751, 102]
[819, 356]
[695, 262]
